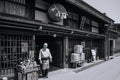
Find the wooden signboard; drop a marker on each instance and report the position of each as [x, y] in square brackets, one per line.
[24, 47]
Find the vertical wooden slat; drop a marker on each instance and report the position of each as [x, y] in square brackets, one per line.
[0, 56]
[66, 44]
[13, 8]
[6, 65]
[3, 54]
[8, 43]
[19, 44]
[10, 52]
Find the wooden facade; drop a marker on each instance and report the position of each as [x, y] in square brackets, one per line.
[115, 31]
[26, 22]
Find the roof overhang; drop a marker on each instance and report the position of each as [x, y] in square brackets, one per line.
[50, 28]
[83, 5]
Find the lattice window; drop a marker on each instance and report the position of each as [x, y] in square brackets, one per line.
[95, 27]
[72, 21]
[11, 52]
[13, 7]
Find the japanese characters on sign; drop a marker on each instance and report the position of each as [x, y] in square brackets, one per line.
[57, 12]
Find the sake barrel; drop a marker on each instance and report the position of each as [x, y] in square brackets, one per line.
[75, 57]
[78, 49]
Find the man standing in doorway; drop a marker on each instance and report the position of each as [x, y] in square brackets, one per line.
[45, 59]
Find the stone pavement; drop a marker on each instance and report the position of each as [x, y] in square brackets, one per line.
[66, 72]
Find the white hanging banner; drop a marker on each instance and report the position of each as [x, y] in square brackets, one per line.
[24, 47]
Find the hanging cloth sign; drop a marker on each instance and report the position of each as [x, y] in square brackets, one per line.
[57, 12]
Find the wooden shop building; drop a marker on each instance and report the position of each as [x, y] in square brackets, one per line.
[26, 24]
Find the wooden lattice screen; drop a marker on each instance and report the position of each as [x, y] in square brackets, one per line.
[12, 51]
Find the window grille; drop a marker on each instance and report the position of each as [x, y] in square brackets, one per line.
[72, 21]
[11, 53]
[13, 7]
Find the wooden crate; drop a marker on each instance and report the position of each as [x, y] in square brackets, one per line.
[28, 74]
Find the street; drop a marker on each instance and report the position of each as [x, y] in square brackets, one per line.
[109, 70]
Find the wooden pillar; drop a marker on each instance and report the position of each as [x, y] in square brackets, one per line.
[108, 47]
[105, 48]
[66, 55]
[33, 44]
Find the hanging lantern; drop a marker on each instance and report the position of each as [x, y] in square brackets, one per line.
[54, 35]
[57, 12]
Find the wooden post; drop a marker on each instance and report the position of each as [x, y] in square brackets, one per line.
[65, 59]
[105, 48]
[108, 46]
[33, 44]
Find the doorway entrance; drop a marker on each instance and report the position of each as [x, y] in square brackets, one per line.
[56, 48]
[111, 47]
